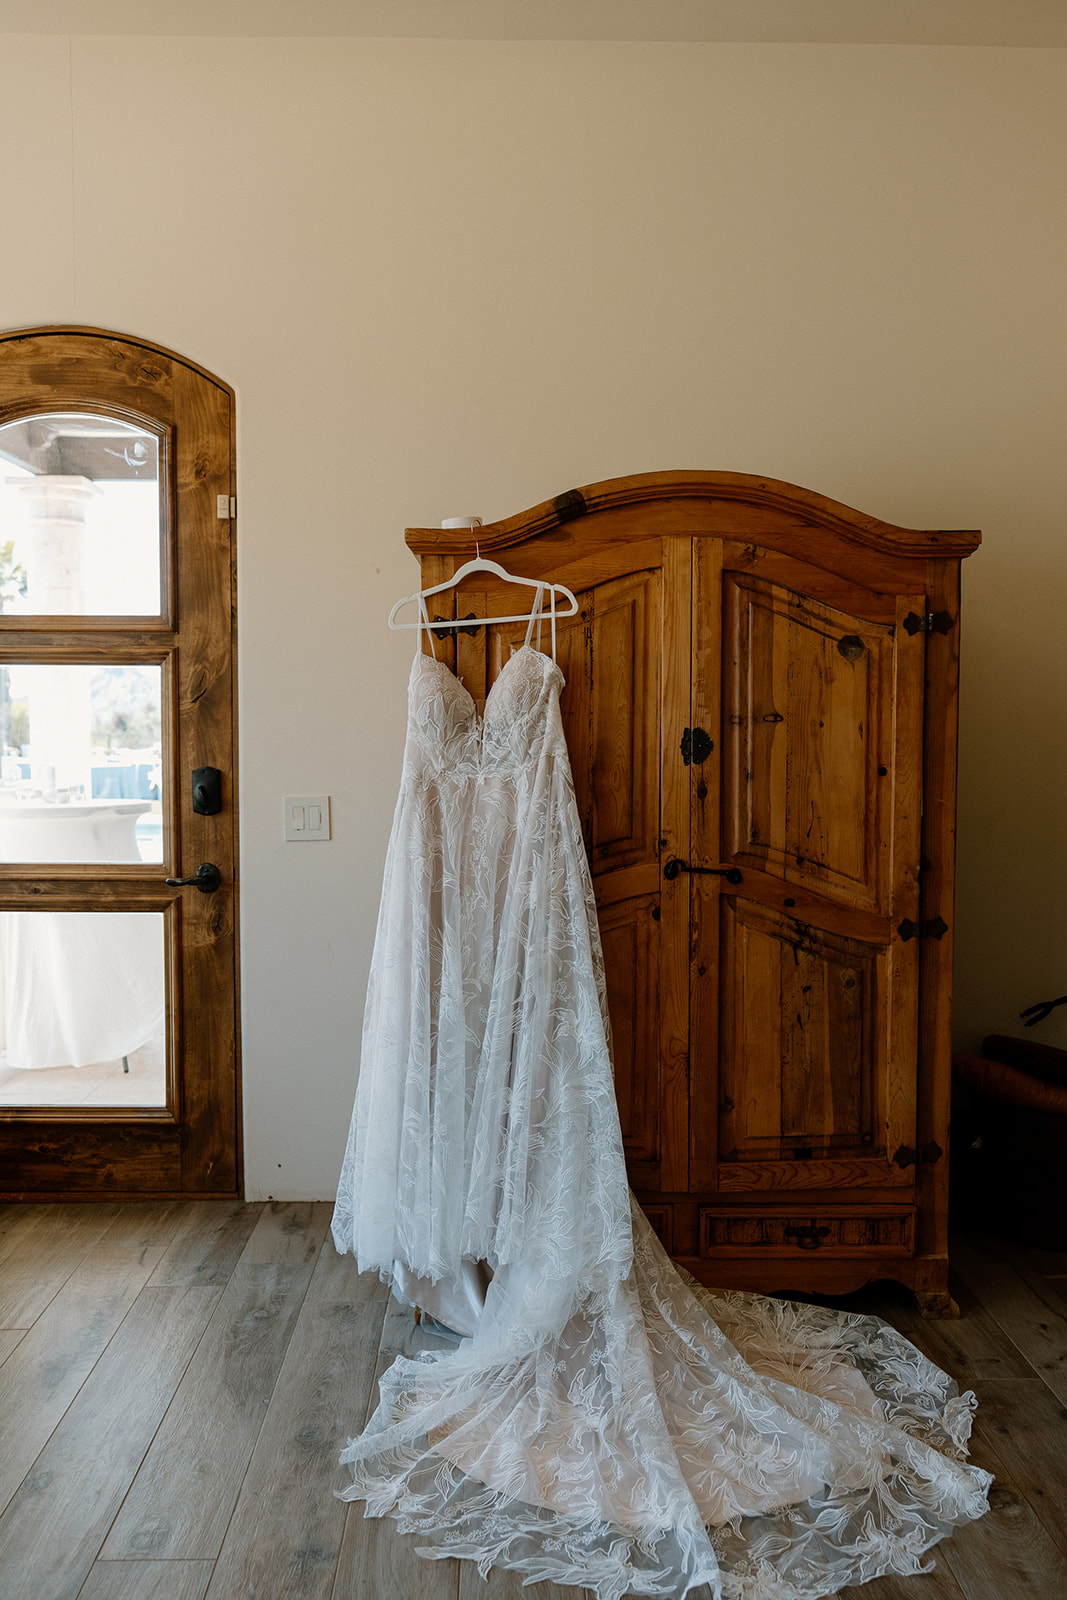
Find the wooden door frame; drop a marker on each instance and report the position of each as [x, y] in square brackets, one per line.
[193, 1148]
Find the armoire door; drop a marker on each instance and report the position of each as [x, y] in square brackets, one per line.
[118, 1019]
[804, 988]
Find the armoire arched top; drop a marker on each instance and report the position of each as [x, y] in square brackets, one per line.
[735, 503]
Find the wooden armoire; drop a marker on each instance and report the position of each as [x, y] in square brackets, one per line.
[761, 715]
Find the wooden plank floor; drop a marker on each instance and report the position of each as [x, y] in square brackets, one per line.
[176, 1380]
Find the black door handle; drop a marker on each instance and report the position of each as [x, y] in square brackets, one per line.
[674, 866]
[207, 879]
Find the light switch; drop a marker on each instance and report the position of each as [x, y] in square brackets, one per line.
[306, 817]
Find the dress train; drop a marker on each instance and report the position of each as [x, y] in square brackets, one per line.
[609, 1423]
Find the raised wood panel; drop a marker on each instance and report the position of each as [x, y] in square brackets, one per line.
[816, 1088]
[802, 1072]
[625, 668]
[630, 933]
[808, 741]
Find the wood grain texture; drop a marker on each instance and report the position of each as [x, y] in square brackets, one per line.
[205, 609]
[703, 799]
[79, 1479]
[10, 1338]
[940, 738]
[147, 1580]
[289, 1536]
[90, 1153]
[183, 1496]
[1009, 1552]
[209, 1244]
[288, 1233]
[438, 569]
[286, 1530]
[18, 1221]
[40, 1260]
[375, 1559]
[785, 1052]
[1019, 1436]
[721, 502]
[1019, 1298]
[470, 647]
[180, 1502]
[44, 1373]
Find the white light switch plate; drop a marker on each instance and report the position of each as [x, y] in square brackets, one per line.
[306, 817]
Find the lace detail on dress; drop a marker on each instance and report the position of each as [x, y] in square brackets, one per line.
[610, 1423]
[485, 1033]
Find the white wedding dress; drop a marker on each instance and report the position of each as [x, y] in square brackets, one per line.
[608, 1422]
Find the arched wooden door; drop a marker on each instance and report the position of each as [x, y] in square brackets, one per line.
[118, 1012]
[760, 709]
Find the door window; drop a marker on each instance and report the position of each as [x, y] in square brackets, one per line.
[81, 515]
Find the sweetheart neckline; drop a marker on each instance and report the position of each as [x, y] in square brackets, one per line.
[458, 681]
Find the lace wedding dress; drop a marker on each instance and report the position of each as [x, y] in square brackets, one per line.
[608, 1422]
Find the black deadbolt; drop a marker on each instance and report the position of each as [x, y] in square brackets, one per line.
[207, 791]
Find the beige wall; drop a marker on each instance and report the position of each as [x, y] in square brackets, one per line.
[451, 277]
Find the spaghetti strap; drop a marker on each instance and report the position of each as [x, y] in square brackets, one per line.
[424, 622]
[536, 615]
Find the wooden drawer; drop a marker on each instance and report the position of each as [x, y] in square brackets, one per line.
[877, 1230]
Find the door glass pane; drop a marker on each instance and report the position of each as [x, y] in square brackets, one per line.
[79, 517]
[82, 774]
[82, 1008]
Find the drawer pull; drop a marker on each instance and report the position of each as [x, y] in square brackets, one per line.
[809, 1237]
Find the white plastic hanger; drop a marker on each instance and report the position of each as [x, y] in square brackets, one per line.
[553, 592]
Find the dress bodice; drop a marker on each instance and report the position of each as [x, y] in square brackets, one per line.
[446, 734]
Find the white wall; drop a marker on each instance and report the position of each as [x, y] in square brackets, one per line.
[450, 277]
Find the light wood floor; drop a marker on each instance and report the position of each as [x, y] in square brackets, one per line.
[177, 1380]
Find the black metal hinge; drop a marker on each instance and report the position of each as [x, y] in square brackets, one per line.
[936, 928]
[696, 746]
[907, 1157]
[452, 630]
[929, 622]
